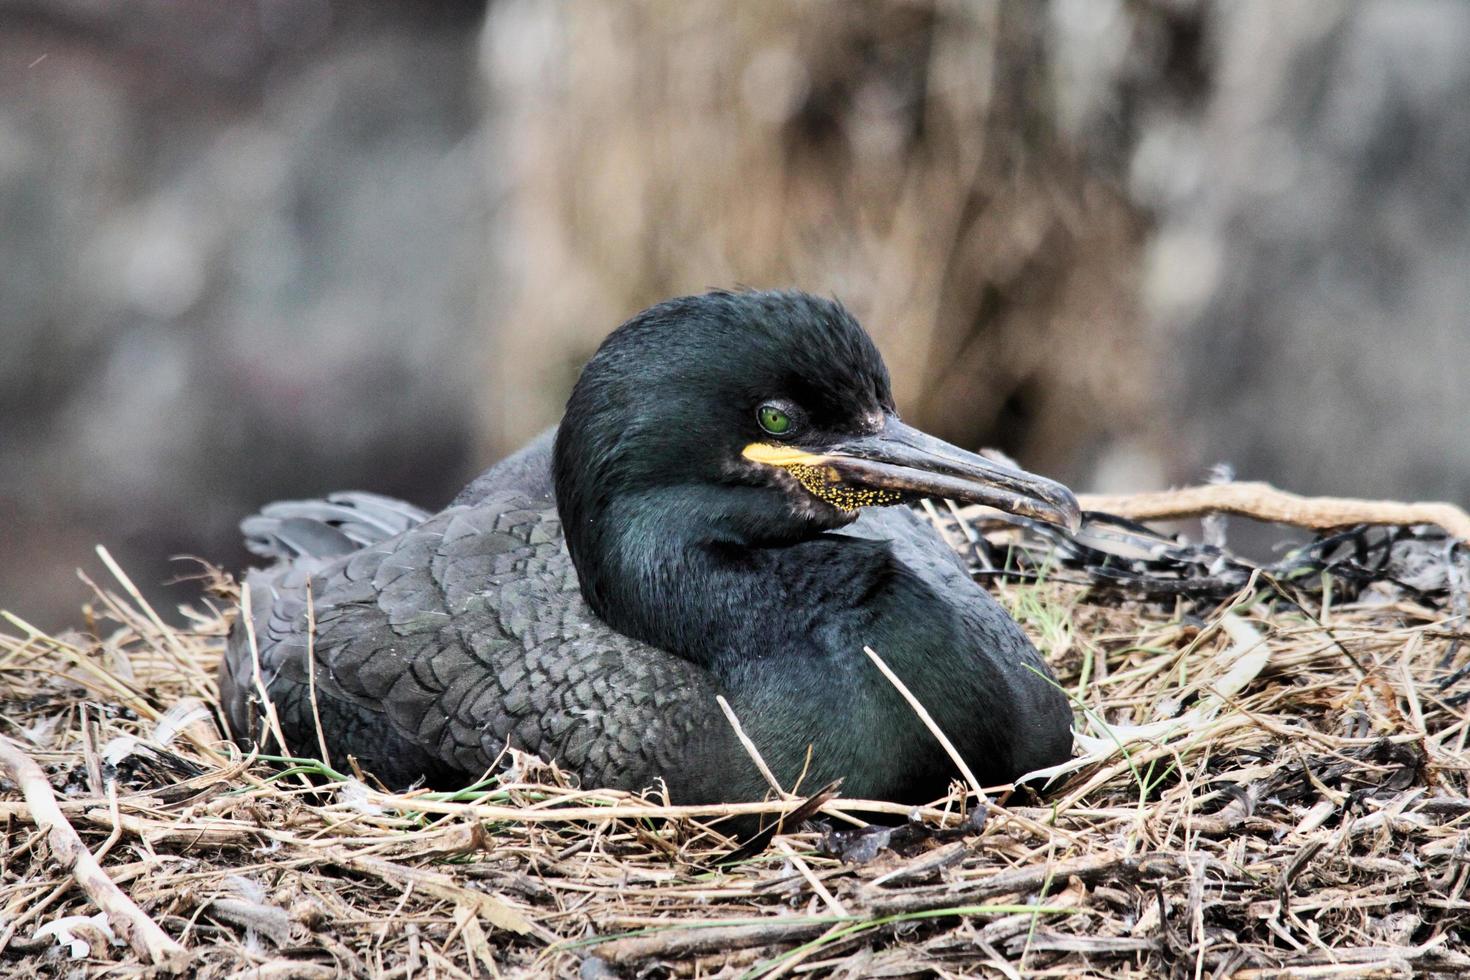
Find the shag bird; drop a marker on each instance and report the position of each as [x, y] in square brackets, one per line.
[706, 520]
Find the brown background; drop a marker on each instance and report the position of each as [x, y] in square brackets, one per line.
[278, 247]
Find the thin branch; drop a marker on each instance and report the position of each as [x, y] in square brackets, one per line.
[141, 932]
[931, 724]
[1263, 502]
[316, 715]
[750, 748]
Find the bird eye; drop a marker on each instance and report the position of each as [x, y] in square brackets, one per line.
[773, 420]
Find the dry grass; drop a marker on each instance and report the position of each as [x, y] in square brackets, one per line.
[1291, 801]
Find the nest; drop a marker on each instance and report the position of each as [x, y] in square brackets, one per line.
[1271, 782]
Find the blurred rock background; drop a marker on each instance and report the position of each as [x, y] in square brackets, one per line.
[273, 248]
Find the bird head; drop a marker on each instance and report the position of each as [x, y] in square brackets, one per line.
[756, 418]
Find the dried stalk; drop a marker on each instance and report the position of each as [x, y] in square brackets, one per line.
[1315, 810]
[132, 923]
[1263, 502]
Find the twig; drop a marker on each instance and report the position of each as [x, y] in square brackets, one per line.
[750, 748]
[168, 637]
[316, 715]
[639, 810]
[832, 902]
[1264, 502]
[493, 909]
[141, 932]
[268, 705]
[676, 943]
[930, 724]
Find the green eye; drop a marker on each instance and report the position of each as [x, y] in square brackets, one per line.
[773, 420]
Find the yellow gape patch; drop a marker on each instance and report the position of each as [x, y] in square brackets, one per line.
[840, 495]
[819, 479]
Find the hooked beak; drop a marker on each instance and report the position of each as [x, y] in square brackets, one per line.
[899, 459]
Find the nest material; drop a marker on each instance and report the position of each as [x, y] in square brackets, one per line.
[1272, 783]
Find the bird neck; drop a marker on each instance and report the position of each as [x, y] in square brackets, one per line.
[663, 572]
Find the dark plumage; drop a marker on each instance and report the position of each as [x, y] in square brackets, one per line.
[700, 549]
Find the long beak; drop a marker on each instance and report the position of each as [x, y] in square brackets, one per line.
[902, 459]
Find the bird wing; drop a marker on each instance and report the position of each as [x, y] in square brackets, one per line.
[438, 646]
[342, 523]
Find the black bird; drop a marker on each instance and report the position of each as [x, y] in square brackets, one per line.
[692, 528]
